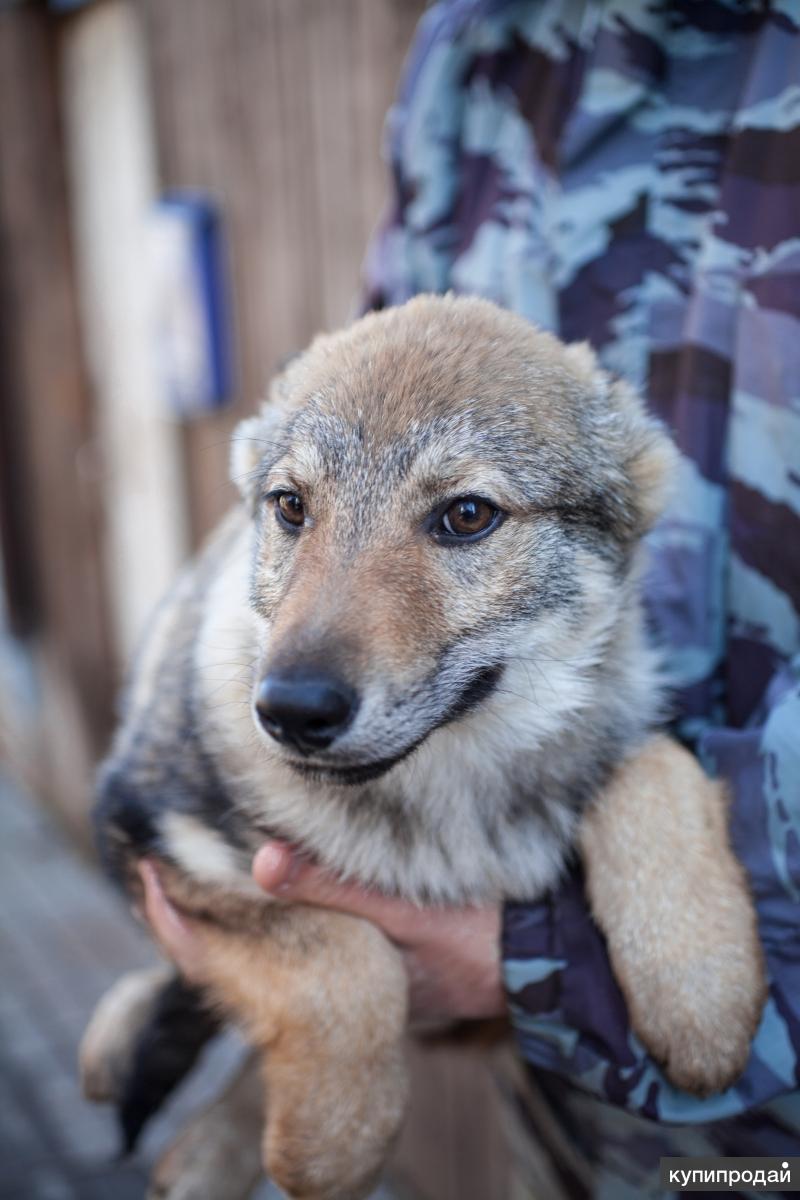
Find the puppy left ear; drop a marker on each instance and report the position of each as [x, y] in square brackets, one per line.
[650, 458]
[652, 470]
[638, 451]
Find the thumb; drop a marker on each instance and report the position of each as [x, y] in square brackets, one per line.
[180, 938]
[283, 873]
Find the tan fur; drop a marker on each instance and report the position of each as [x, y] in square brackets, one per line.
[328, 602]
[673, 902]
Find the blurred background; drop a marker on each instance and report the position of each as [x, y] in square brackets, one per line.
[187, 188]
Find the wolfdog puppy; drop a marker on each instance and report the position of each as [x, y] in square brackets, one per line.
[416, 652]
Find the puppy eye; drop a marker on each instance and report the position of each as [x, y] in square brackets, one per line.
[289, 509]
[467, 519]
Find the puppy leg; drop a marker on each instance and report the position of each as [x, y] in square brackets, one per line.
[324, 996]
[109, 1043]
[218, 1154]
[674, 904]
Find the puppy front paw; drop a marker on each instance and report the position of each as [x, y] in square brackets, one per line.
[697, 1018]
[331, 1143]
[675, 906]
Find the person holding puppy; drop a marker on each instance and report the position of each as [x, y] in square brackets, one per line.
[627, 175]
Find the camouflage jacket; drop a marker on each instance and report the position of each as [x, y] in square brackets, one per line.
[628, 172]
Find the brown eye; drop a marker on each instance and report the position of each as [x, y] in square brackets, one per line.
[467, 518]
[289, 509]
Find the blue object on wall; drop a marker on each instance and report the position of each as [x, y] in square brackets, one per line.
[67, 5]
[192, 327]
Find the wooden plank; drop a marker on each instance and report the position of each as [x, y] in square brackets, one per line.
[335, 175]
[46, 394]
[113, 177]
[19, 584]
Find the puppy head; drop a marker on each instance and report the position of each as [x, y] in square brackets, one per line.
[442, 493]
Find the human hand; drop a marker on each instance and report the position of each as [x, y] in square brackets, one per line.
[452, 955]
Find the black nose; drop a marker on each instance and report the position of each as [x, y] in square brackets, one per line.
[308, 709]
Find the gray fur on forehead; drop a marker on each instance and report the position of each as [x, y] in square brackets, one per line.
[432, 452]
[468, 432]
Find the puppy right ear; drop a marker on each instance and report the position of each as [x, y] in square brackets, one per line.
[245, 454]
[252, 442]
[257, 438]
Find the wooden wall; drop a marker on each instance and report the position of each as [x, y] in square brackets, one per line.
[113, 177]
[275, 108]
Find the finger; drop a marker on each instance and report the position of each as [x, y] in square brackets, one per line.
[286, 875]
[274, 866]
[175, 934]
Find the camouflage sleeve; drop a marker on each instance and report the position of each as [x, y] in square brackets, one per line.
[568, 1013]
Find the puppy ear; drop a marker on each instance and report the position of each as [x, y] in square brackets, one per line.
[252, 441]
[652, 469]
[650, 457]
[639, 454]
[245, 454]
[256, 437]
